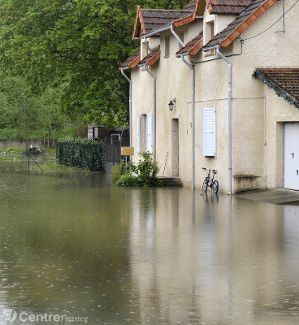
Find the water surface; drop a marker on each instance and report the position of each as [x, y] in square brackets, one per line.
[76, 246]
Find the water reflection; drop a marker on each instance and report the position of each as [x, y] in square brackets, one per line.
[233, 262]
[76, 246]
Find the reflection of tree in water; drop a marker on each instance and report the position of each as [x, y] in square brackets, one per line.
[64, 247]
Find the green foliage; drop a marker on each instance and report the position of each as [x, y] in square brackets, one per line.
[81, 153]
[26, 116]
[116, 173]
[144, 173]
[128, 180]
[123, 168]
[74, 47]
[51, 167]
[147, 170]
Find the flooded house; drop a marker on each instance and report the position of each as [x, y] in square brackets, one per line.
[216, 85]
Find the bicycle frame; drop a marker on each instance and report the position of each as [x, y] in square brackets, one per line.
[210, 181]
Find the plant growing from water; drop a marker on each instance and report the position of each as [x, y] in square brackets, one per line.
[144, 173]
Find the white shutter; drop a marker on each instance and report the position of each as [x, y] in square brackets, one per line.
[138, 134]
[209, 132]
[149, 133]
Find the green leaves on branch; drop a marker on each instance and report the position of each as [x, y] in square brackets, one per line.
[74, 46]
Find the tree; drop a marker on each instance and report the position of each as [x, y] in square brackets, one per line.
[74, 46]
[25, 114]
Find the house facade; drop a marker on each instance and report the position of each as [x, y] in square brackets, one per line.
[216, 85]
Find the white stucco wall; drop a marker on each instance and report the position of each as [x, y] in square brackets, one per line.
[257, 111]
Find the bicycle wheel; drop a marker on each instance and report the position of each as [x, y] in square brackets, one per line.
[215, 186]
[204, 186]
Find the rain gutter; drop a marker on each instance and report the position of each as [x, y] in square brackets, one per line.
[145, 67]
[191, 66]
[229, 117]
[130, 102]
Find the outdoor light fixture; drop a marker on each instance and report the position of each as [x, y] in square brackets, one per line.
[171, 104]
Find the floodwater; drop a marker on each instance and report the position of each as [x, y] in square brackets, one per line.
[76, 247]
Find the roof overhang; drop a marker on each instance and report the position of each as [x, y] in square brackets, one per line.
[192, 48]
[151, 59]
[189, 17]
[131, 63]
[239, 25]
[284, 81]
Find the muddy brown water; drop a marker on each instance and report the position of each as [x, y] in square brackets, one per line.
[77, 247]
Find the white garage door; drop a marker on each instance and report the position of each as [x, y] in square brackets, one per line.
[291, 156]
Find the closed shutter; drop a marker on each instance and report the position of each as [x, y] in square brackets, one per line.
[149, 133]
[138, 134]
[209, 132]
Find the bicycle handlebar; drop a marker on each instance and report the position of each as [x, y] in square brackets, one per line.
[215, 171]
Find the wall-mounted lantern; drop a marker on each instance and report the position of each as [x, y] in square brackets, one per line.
[171, 104]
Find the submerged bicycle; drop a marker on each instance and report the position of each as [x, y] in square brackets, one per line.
[210, 181]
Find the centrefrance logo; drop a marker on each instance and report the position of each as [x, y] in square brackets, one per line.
[10, 316]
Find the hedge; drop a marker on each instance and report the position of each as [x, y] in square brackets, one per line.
[81, 153]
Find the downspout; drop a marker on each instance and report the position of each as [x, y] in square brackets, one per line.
[176, 36]
[155, 107]
[171, 29]
[192, 67]
[164, 29]
[130, 103]
[229, 118]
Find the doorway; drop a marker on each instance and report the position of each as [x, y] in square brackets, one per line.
[291, 156]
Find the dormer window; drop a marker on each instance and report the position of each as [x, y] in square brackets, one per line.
[210, 34]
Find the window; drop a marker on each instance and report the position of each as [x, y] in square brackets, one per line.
[209, 132]
[144, 133]
[95, 133]
[210, 33]
[138, 133]
[149, 133]
[166, 46]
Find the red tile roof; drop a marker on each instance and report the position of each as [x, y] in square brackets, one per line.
[151, 58]
[193, 47]
[225, 7]
[245, 19]
[285, 82]
[148, 20]
[131, 62]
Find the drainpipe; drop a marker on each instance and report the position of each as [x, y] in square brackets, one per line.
[192, 67]
[176, 36]
[164, 29]
[155, 107]
[130, 103]
[229, 108]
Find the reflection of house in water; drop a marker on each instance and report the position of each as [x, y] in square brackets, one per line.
[220, 268]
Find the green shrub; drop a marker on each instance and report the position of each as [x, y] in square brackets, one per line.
[127, 180]
[81, 153]
[147, 170]
[116, 173]
[144, 173]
